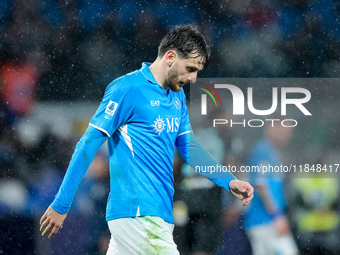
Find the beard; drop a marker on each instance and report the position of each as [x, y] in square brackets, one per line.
[172, 82]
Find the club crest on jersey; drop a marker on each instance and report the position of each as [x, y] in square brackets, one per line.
[176, 102]
[110, 109]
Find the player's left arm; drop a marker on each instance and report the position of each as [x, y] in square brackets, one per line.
[195, 155]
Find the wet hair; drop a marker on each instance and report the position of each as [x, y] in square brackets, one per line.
[188, 42]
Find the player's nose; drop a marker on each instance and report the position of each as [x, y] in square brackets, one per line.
[192, 77]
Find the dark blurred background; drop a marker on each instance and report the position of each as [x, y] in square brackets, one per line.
[57, 57]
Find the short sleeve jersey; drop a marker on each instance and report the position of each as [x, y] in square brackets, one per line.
[142, 122]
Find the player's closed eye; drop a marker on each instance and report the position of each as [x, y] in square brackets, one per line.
[191, 70]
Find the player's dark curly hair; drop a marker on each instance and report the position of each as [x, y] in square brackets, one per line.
[187, 41]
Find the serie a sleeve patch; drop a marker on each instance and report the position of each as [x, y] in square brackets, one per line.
[110, 109]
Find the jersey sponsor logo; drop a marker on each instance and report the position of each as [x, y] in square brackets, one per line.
[176, 102]
[159, 125]
[110, 109]
[170, 124]
[154, 103]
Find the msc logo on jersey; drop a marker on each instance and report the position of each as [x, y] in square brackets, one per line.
[176, 102]
[110, 109]
[172, 125]
[159, 125]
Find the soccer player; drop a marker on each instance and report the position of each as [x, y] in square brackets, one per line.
[265, 221]
[143, 116]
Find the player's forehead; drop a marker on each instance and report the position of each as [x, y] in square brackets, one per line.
[195, 61]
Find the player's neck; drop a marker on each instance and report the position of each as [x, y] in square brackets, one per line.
[158, 71]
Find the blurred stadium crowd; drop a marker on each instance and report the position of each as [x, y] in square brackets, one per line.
[55, 52]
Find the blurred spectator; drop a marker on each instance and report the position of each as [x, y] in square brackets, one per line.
[89, 42]
[8, 154]
[314, 205]
[19, 82]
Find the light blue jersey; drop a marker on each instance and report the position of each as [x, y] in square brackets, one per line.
[264, 153]
[143, 124]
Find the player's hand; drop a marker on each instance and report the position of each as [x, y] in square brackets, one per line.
[282, 225]
[51, 220]
[242, 190]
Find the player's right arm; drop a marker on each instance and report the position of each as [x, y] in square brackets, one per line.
[51, 220]
[83, 155]
[115, 110]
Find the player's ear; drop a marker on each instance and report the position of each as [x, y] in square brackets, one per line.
[170, 57]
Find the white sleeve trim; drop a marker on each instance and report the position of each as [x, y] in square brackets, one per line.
[100, 129]
[184, 133]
